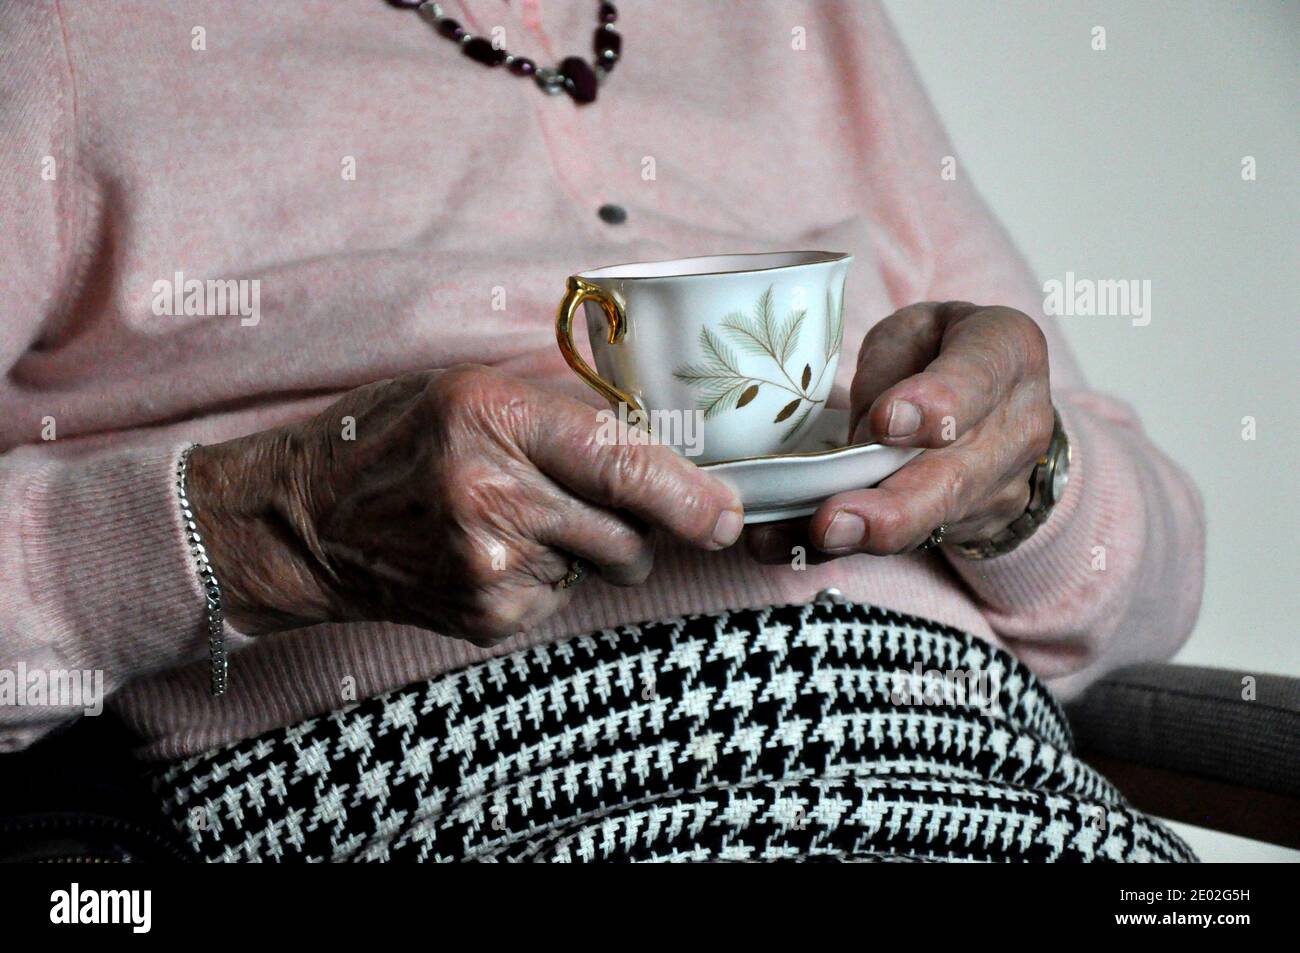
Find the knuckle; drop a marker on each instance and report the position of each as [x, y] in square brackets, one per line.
[463, 388]
[1026, 336]
[456, 378]
[951, 312]
[881, 331]
[474, 496]
[1034, 343]
[481, 565]
[636, 474]
[491, 615]
[944, 405]
[625, 470]
[915, 314]
[490, 499]
[957, 486]
[500, 618]
[696, 512]
[890, 533]
[989, 365]
[906, 321]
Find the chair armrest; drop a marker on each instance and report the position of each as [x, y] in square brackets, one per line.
[1207, 746]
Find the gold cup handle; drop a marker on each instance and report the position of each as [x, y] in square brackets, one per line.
[577, 292]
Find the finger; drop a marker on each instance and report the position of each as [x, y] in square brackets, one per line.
[985, 354]
[651, 482]
[524, 524]
[780, 543]
[937, 487]
[620, 548]
[1006, 506]
[894, 349]
[509, 587]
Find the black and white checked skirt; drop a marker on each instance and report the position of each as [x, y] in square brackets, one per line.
[828, 731]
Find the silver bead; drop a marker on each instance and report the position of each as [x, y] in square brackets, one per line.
[831, 595]
[551, 81]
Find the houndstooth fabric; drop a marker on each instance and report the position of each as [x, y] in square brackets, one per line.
[809, 732]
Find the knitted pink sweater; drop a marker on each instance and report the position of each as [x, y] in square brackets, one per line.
[216, 139]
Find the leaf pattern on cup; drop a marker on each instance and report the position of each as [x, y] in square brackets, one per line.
[723, 386]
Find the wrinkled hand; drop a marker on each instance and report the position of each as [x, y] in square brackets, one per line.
[969, 382]
[457, 507]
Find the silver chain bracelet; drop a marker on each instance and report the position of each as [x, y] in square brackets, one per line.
[216, 618]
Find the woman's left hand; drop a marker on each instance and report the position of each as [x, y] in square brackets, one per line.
[968, 382]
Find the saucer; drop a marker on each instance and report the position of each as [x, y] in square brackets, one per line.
[785, 485]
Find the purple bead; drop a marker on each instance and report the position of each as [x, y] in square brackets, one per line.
[482, 50]
[451, 29]
[523, 66]
[609, 46]
[608, 13]
[580, 79]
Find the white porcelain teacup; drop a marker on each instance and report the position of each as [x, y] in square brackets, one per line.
[739, 348]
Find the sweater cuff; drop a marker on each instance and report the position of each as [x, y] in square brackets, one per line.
[110, 577]
[1045, 590]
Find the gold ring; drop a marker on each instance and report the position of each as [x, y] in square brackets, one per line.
[934, 539]
[577, 569]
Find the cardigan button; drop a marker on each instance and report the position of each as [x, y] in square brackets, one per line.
[612, 214]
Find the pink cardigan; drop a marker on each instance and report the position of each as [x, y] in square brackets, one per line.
[128, 155]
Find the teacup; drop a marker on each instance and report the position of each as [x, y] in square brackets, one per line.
[739, 350]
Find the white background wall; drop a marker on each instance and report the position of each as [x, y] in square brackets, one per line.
[1126, 163]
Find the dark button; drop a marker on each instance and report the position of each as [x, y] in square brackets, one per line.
[612, 214]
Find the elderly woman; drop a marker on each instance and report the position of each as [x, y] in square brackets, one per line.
[320, 538]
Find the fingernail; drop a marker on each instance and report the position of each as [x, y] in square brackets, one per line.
[845, 532]
[727, 530]
[904, 418]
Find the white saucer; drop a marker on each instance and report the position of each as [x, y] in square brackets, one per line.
[785, 485]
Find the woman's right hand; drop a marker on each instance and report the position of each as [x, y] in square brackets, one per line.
[458, 504]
